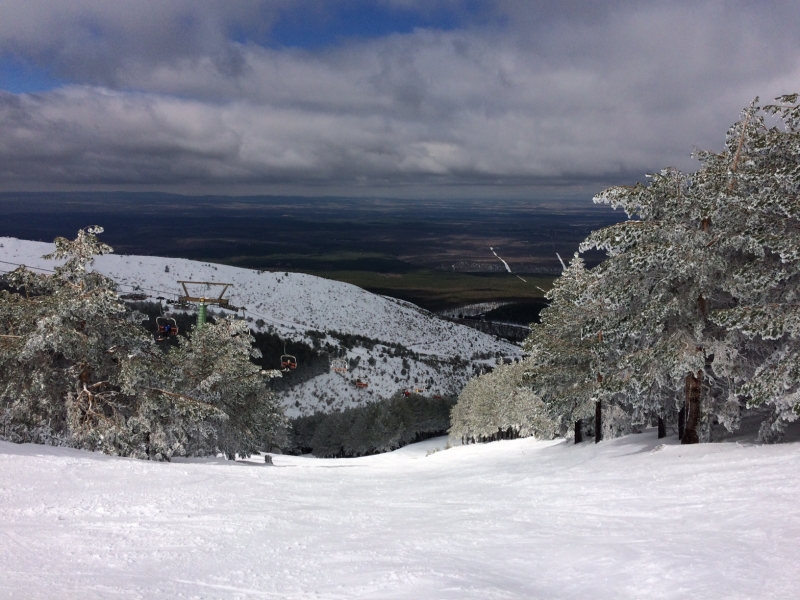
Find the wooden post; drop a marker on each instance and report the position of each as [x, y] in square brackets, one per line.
[598, 421]
[662, 428]
[578, 432]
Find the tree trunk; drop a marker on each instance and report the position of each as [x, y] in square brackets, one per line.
[694, 386]
[598, 421]
[681, 421]
[578, 432]
[662, 428]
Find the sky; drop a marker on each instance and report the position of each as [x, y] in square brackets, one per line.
[388, 98]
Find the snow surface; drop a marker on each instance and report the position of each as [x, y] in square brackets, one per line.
[627, 518]
[293, 305]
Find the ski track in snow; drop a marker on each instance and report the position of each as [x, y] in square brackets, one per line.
[295, 304]
[627, 518]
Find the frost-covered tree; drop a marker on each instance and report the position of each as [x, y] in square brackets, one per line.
[562, 367]
[498, 405]
[77, 368]
[212, 367]
[696, 306]
[689, 279]
[67, 340]
[760, 213]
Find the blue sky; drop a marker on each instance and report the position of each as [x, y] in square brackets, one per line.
[478, 98]
[361, 20]
[19, 76]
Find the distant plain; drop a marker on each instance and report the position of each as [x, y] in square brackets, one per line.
[433, 253]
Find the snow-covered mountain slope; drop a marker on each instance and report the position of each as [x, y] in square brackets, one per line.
[298, 306]
[624, 519]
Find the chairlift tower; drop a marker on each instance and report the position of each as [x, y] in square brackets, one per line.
[204, 301]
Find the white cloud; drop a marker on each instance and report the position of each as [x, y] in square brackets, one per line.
[575, 100]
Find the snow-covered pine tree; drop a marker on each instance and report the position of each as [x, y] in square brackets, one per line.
[760, 215]
[77, 368]
[562, 368]
[68, 343]
[498, 405]
[702, 255]
[212, 367]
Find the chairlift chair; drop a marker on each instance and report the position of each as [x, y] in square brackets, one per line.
[362, 383]
[339, 365]
[166, 328]
[288, 362]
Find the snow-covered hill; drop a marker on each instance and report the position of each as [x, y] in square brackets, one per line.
[297, 306]
[628, 518]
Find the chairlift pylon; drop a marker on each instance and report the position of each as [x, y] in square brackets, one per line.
[203, 301]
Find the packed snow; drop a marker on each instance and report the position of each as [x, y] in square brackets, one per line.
[293, 305]
[627, 518]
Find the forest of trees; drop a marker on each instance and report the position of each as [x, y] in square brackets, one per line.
[693, 317]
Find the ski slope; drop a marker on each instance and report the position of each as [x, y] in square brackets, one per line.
[293, 305]
[522, 519]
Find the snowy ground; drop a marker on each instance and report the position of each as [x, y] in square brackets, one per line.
[520, 519]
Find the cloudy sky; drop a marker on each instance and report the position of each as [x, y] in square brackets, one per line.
[394, 98]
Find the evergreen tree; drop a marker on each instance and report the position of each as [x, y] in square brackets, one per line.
[760, 210]
[68, 346]
[562, 368]
[690, 278]
[212, 367]
[695, 308]
[77, 368]
[498, 405]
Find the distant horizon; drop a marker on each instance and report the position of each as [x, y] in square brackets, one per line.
[543, 200]
[473, 195]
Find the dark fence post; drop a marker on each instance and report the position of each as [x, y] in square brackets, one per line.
[598, 421]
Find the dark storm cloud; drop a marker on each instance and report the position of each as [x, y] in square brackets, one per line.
[521, 97]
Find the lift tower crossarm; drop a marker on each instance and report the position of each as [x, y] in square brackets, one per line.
[203, 301]
[219, 300]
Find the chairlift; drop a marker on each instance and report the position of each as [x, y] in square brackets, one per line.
[362, 383]
[166, 328]
[339, 365]
[288, 362]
